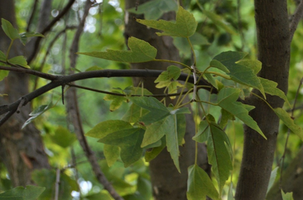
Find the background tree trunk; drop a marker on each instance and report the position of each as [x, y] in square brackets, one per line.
[292, 180]
[167, 182]
[273, 51]
[21, 151]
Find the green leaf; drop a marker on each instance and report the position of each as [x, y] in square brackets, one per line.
[185, 25]
[287, 196]
[63, 137]
[183, 45]
[24, 36]
[286, 119]
[144, 187]
[202, 133]
[230, 192]
[255, 65]
[140, 51]
[172, 72]
[2, 57]
[227, 99]
[3, 74]
[156, 131]
[22, 193]
[169, 78]
[19, 60]
[155, 9]
[36, 113]
[225, 117]
[134, 113]
[173, 127]
[150, 155]
[240, 73]
[129, 140]
[270, 87]
[199, 184]
[111, 153]
[217, 20]
[218, 154]
[116, 101]
[94, 68]
[157, 110]
[272, 179]
[104, 128]
[172, 140]
[9, 30]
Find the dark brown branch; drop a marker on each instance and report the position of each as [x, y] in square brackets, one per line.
[48, 28]
[64, 80]
[30, 20]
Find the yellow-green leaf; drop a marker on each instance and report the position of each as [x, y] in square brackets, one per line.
[9, 30]
[185, 25]
[286, 119]
[19, 60]
[270, 87]
[111, 153]
[104, 128]
[140, 51]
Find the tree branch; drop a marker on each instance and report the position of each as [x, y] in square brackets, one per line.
[30, 20]
[64, 80]
[295, 20]
[48, 28]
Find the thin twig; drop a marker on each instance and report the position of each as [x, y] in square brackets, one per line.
[40, 69]
[288, 132]
[29, 71]
[123, 95]
[58, 172]
[30, 20]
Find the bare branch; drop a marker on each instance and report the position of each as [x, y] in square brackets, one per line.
[30, 20]
[29, 71]
[44, 14]
[65, 80]
[295, 20]
[48, 28]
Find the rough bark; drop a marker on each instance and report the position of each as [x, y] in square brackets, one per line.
[167, 182]
[273, 51]
[292, 180]
[21, 151]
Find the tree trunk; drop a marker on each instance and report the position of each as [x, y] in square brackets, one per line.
[273, 51]
[292, 180]
[21, 151]
[167, 182]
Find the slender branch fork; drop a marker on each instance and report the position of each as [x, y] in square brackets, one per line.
[57, 81]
